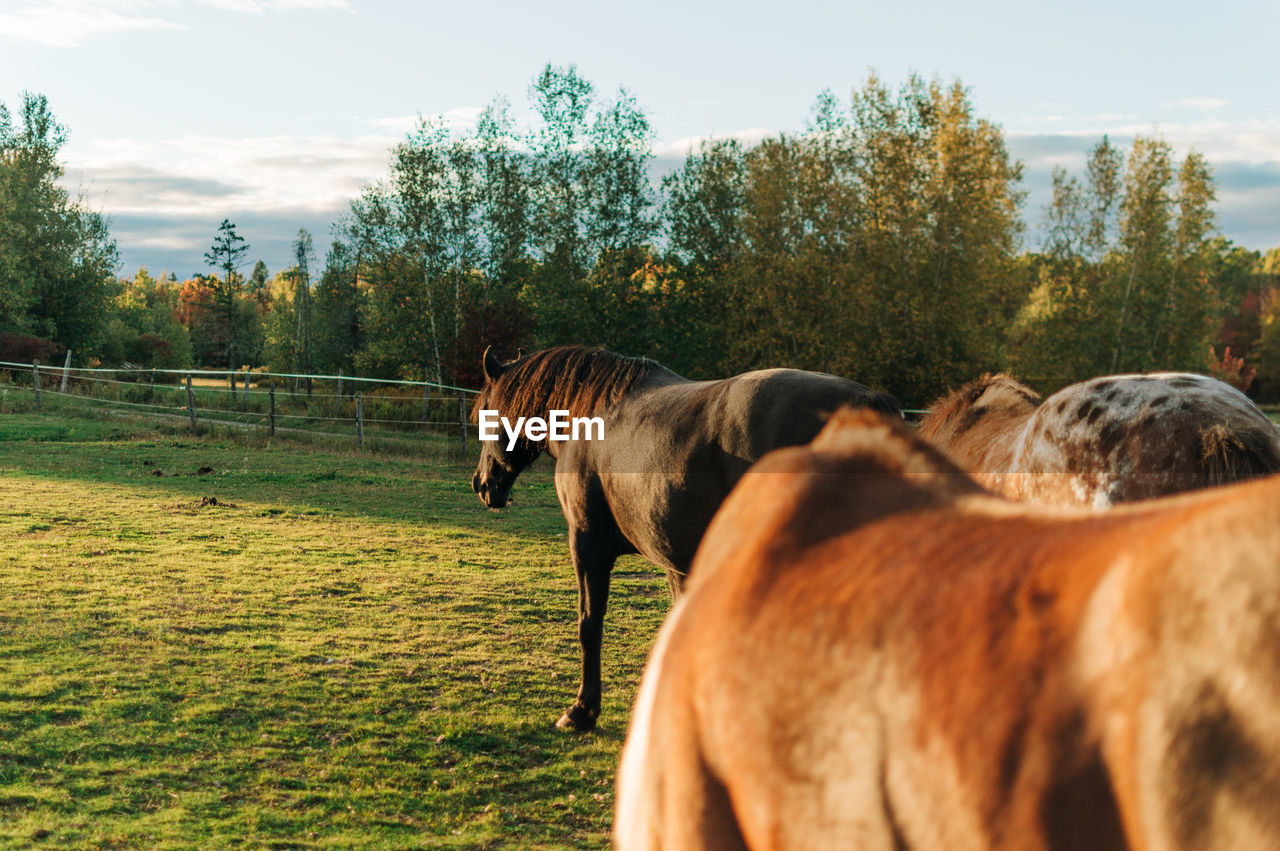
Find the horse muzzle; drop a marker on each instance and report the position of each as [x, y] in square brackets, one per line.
[494, 496]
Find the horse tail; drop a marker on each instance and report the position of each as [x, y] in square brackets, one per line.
[1233, 455]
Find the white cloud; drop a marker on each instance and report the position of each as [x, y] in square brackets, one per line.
[71, 23]
[683, 147]
[204, 174]
[190, 174]
[245, 6]
[395, 124]
[163, 194]
[292, 5]
[258, 7]
[462, 118]
[1205, 104]
[1253, 141]
[165, 243]
[207, 173]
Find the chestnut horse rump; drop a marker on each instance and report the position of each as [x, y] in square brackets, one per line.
[874, 652]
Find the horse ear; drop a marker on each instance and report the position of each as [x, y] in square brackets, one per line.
[519, 352]
[492, 366]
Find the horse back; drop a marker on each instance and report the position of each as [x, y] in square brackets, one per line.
[1128, 438]
[754, 413]
[675, 449]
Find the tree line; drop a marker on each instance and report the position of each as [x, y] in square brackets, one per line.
[884, 242]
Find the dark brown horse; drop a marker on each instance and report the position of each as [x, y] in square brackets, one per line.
[1114, 439]
[672, 450]
[875, 653]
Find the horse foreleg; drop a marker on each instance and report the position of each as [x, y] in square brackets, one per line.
[593, 569]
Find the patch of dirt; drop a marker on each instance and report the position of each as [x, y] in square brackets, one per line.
[195, 508]
[204, 471]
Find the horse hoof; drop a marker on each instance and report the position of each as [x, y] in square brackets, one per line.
[578, 718]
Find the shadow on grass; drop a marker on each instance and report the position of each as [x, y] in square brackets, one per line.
[275, 478]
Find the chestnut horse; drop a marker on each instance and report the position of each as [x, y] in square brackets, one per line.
[1115, 439]
[672, 450]
[875, 653]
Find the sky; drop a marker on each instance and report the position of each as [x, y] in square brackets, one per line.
[274, 113]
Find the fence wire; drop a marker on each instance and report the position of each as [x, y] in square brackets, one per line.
[254, 374]
[357, 401]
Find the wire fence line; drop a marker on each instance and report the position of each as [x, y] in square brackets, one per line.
[383, 405]
[331, 406]
[254, 374]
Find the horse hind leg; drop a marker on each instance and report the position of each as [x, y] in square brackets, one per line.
[667, 796]
[697, 812]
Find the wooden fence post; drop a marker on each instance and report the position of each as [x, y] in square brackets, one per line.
[191, 403]
[35, 379]
[271, 429]
[360, 420]
[426, 403]
[66, 372]
[462, 421]
[337, 402]
[244, 399]
[151, 388]
[233, 385]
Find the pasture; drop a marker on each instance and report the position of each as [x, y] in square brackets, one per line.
[345, 650]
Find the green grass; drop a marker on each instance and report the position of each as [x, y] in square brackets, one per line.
[346, 650]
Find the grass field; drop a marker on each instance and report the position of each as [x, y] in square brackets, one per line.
[346, 650]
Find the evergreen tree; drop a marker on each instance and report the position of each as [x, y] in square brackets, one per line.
[301, 278]
[257, 285]
[227, 254]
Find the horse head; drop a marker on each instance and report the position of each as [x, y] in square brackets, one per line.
[498, 467]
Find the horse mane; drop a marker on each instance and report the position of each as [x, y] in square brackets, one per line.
[577, 379]
[943, 411]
